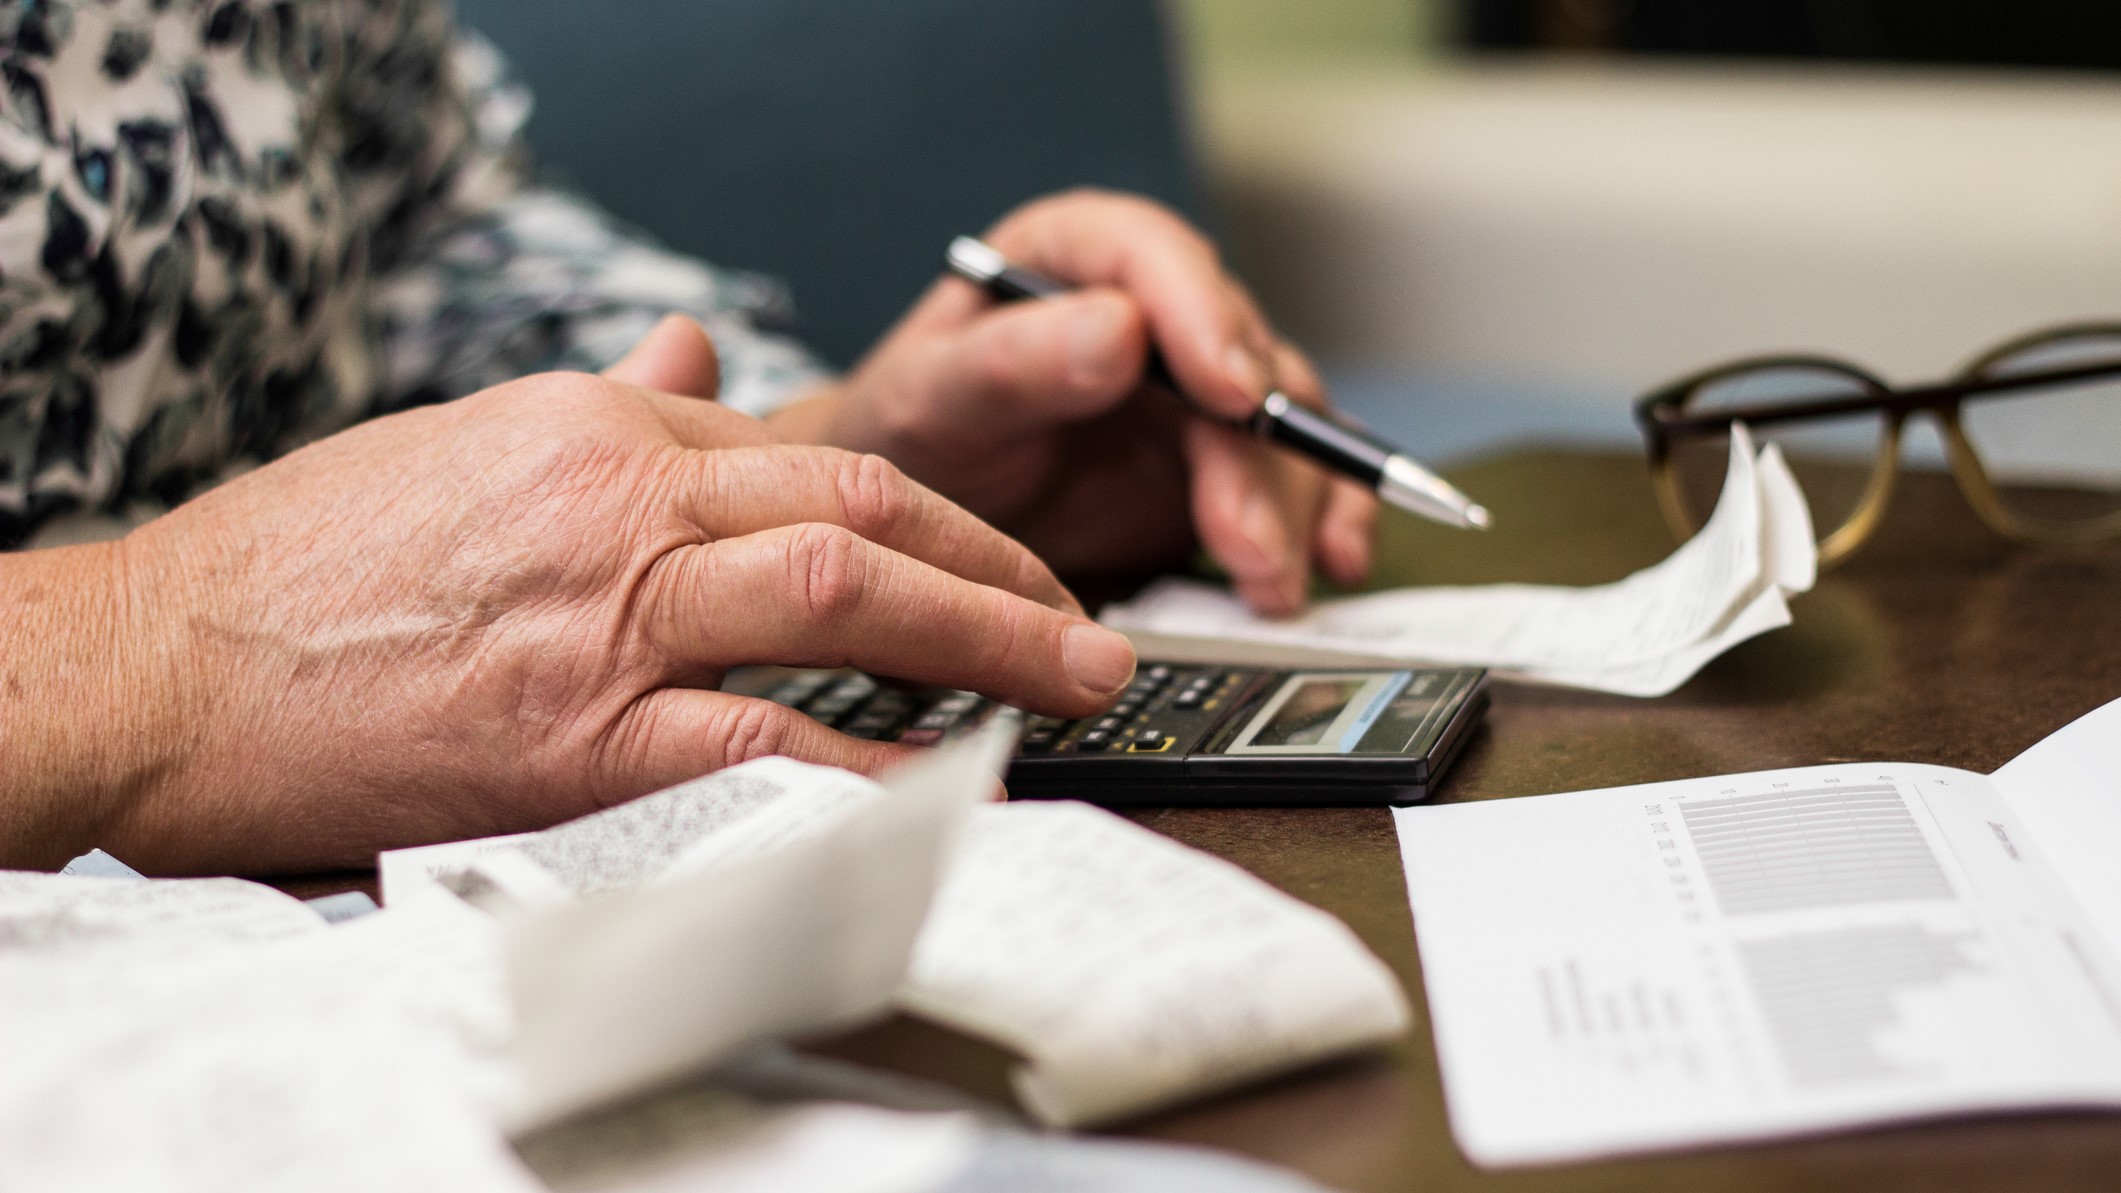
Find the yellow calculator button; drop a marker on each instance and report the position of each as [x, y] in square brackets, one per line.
[1158, 746]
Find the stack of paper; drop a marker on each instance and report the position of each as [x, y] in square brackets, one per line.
[1129, 971]
[1746, 957]
[215, 1034]
[194, 1035]
[1132, 972]
[1641, 636]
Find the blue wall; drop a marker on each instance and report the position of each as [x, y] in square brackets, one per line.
[840, 143]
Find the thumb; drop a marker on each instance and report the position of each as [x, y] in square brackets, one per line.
[676, 357]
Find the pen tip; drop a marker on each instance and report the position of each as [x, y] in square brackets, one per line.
[1477, 517]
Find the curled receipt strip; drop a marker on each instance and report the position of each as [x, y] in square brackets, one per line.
[1640, 636]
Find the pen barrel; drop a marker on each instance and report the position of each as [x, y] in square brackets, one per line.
[1334, 444]
[1014, 284]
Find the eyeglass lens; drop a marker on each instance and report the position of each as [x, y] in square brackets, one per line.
[2053, 451]
[1831, 457]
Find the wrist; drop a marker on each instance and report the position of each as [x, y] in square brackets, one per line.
[86, 717]
[811, 418]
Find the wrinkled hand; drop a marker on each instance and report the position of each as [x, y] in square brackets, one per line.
[1029, 415]
[509, 610]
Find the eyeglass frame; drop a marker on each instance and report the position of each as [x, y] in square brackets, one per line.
[1660, 414]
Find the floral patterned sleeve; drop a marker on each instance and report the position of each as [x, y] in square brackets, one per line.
[230, 227]
[515, 278]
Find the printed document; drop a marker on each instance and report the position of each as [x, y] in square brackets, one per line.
[205, 1034]
[810, 929]
[566, 991]
[1132, 971]
[1753, 956]
[1640, 636]
[1129, 971]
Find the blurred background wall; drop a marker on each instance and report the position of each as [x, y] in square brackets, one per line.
[1499, 219]
[841, 145]
[1491, 220]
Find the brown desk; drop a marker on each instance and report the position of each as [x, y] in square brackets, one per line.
[1939, 643]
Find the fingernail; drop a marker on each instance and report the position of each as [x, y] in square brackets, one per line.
[1098, 658]
[1244, 372]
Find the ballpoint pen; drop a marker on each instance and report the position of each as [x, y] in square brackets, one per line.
[1395, 476]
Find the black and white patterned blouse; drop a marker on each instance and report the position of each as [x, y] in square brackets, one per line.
[228, 227]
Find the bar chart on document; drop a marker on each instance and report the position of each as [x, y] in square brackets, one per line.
[1748, 956]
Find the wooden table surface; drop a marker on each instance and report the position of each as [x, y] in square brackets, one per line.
[1938, 643]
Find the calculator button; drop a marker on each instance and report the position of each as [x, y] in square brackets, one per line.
[829, 708]
[794, 691]
[1150, 741]
[1125, 710]
[1186, 699]
[1159, 673]
[937, 719]
[1094, 741]
[852, 688]
[921, 737]
[1039, 741]
[890, 702]
[1110, 723]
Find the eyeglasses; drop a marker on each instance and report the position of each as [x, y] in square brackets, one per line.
[2032, 432]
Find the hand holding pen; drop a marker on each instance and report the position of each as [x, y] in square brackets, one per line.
[1337, 445]
[1033, 415]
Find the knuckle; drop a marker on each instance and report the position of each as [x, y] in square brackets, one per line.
[747, 729]
[556, 413]
[1087, 193]
[874, 495]
[583, 392]
[1160, 218]
[826, 571]
[1009, 633]
[1097, 202]
[1116, 201]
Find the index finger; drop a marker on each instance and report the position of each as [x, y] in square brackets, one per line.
[815, 595]
[1218, 347]
[742, 491]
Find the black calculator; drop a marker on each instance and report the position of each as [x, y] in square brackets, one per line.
[1187, 733]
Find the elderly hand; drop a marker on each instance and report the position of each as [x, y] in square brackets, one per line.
[489, 616]
[1030, 416]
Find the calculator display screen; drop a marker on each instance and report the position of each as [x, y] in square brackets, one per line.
[1309, 710]
[1319, 713]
